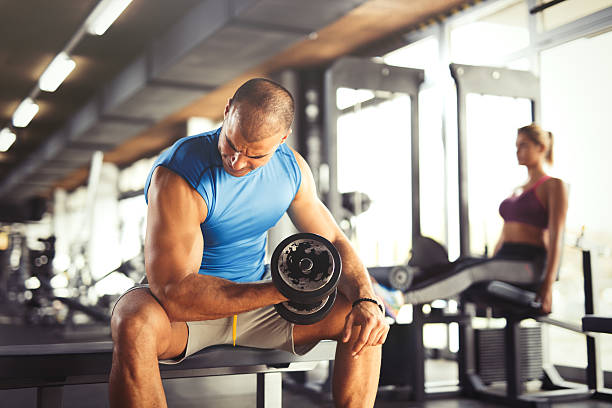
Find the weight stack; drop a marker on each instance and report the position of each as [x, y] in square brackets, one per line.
[490, 354]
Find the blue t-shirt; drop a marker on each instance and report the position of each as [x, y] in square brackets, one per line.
[240, 209]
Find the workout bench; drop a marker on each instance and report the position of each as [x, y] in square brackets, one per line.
[49, 367]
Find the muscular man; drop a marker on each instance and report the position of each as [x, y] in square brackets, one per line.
[211, 199]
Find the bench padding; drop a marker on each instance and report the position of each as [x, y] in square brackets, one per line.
[598, 324]
[89, 363]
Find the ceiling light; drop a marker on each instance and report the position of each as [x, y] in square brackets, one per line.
[7, 138]
[25, 113]
[56, 72]
[105, 14]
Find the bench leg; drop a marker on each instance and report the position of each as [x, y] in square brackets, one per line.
[269, 390]
[49, 397]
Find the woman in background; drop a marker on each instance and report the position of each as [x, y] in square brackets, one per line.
[534, 216]
[534, 219]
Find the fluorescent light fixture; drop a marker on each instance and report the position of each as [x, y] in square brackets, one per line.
[7, 138]
[56, 72]
[25, 113]
[105, 14]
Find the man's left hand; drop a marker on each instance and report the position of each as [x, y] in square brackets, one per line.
[373, 326]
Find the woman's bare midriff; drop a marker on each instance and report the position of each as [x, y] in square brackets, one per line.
[519, 233]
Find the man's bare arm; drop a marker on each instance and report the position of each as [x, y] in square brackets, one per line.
[310, 215]
[173, 253]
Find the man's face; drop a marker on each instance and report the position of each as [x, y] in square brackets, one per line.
[239, 156]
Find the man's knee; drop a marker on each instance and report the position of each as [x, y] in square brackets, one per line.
[337, 318]
[138, 318]
[330, 328]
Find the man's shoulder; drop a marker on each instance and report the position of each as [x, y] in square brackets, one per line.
[197, 150]
[202, 142]
[288, 154]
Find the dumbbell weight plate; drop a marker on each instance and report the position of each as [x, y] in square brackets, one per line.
[400, 277]
[305, 267]
[304, 314]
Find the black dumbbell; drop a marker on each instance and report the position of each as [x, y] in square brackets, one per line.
[305, 268]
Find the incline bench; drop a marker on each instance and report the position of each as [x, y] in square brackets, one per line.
[49, 367]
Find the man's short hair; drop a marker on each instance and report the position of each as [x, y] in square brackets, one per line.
[263, 103]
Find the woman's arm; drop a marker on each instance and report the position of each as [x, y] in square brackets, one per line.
[556, 199]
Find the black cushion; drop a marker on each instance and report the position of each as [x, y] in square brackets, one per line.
[599, 324]
[503, 298]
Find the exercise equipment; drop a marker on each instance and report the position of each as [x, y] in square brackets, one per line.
[425, 253]
[395, 277]
[304, 314]
[306, 269]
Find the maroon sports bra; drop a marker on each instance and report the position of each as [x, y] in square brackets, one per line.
[526, 208]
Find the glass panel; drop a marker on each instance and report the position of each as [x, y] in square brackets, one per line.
[431, 166]
[568, 11]
[493, 172]
[347, 97]
[577, 113]
[521, 64]
[374, 153]
[452, 174]
[488, 40]
[422, 54]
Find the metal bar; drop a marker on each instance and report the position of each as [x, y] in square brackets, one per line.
[269, 390]
[415, 164]
[330, 144]
[593, 380]
[544, 6]
[462, 174]
[418, 355]
[361, 73]
[531, 51]
[466, 356]
[443, 36]
[594, 373]
[564, 325]
[583, 27]
[488, 81]
[92, 188]
[589, 304]
[130, 194]
[514, 385]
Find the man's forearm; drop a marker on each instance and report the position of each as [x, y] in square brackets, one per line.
[355, 281]
[202, 297]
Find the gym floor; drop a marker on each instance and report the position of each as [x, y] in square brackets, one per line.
[191, 393]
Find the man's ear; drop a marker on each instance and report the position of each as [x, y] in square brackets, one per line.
[286, 136]
[227, 108]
